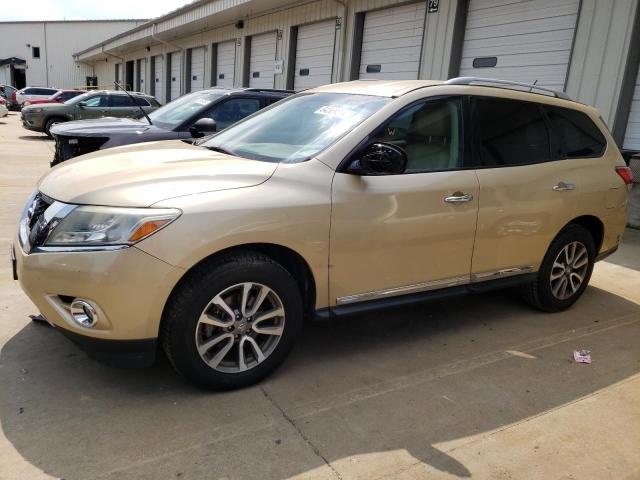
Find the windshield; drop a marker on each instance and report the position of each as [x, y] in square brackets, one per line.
[176, 112]
[297, 128]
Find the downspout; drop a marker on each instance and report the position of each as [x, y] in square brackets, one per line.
[343, 39]
[173, 46]
[46, 53]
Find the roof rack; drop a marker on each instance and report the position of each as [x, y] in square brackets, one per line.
[493, 82]
[275, 90]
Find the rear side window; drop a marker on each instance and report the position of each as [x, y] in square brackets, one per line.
[142, 101]
[510, 132]
[575, 135]
[121, 101]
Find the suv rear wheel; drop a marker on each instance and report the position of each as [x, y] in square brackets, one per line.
[233, 322]
[565, 271]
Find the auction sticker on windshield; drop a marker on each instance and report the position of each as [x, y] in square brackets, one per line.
[333, 111]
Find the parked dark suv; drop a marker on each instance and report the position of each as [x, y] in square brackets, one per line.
[95, 104]
[190, 116]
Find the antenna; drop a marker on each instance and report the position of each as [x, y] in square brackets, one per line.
[119, 85]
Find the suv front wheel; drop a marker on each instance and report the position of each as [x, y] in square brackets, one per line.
[565, 271]
[232, 322]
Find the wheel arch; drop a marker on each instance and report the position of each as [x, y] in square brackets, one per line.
[291, 260]
[593, 225]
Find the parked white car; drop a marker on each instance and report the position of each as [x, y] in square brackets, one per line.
[4, 111]
[32, 93]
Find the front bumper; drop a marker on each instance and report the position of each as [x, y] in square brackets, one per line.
[128, 288]
[32, 122]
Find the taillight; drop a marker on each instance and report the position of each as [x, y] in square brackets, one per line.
[626, 174]
[13, 96]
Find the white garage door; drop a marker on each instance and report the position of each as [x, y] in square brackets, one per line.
[523, 41]
[261, 60]
[314, 54]
[226, 64]
[392, 42]
[197, 69]
[142, 74]
[176, 68]
[159, 78]
[632, 136]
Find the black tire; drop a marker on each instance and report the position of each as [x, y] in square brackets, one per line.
[50, 123]
[539, 292]
[194, 294]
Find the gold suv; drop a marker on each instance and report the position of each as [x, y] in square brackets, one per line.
[337, 200]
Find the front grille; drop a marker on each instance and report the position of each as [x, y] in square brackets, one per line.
[36, 221]
[70, 147]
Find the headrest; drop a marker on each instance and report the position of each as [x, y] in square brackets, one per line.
[432, 121]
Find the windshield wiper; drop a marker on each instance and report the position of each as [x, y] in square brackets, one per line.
[119, 85]
[221, 150]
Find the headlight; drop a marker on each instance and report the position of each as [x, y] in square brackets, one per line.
[34, 110]
[95, 226]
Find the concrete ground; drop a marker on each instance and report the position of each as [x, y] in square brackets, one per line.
[480, 387]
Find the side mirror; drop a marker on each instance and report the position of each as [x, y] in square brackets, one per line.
[202, 127]
[379, 159]
[82, 104]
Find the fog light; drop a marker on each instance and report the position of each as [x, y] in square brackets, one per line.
[83, 313]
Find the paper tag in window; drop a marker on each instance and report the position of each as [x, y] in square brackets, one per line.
[333, 111]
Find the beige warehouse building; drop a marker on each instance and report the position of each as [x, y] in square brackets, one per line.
[41, 53]
[588, 48]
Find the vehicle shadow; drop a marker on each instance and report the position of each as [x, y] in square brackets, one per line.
[35, 137]
[403, 380]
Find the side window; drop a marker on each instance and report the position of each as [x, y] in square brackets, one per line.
[232, 111]
[430, 134]
[121, 101]
[96, 101]
[68, 95]
[142, 101]
[575, 134]
[510, 132]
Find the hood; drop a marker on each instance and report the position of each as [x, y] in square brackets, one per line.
[104, 127]
[46, 106]
[143, 174]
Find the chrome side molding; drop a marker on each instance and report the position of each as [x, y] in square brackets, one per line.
[434, 285]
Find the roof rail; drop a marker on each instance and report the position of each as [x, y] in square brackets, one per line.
[275, 90]
[505, 84]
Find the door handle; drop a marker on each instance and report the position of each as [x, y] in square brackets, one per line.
[562, 187]
[459, 197]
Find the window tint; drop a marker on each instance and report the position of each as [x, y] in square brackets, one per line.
[121, 101]
[575, 134]
[429, 132]
[232, 111]
[96, 101]
[68, 95]
[510, 132]
[142, 101]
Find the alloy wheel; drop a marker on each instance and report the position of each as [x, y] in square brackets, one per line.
[569, 270]
[240, 327]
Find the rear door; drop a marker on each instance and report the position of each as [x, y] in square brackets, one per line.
[526, 196]
[122, 106]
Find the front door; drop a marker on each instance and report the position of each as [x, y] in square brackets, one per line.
[95, 106]
[398, 234]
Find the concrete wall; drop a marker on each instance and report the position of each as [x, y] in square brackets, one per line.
[58, 41]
